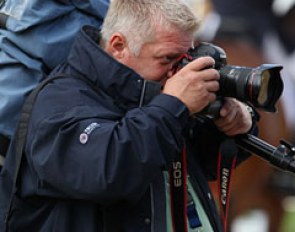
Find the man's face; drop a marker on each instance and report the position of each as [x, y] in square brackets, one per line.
[157, 57]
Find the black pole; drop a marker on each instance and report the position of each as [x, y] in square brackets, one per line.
[282, 156]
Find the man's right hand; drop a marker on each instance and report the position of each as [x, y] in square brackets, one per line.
[195, 84]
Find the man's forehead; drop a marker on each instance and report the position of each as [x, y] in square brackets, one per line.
[173, 47]
[174, 40]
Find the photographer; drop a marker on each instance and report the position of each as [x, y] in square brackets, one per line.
[102, 140]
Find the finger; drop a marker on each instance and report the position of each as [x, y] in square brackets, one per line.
[225, 121]
[202, 63]
[212, 86]
[211, 98]
[228, 106]
[210, 74]
[235, 129]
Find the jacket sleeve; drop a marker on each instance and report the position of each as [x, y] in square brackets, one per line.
[101, 157]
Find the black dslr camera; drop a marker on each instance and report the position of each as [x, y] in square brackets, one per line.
[259, 87]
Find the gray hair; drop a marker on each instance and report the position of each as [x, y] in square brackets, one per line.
[137, 20]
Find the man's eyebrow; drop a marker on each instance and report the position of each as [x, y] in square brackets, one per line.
[170, 54]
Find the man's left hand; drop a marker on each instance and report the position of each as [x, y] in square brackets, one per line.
[234, 118]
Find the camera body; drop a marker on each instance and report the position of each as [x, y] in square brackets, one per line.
[259, 87]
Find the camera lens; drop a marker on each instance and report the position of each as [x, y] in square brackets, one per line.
[260, 86]
[263, 92]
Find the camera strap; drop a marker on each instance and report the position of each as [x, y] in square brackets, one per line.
[226, 163]
[183, 208]
[178, 193]
[182, 60]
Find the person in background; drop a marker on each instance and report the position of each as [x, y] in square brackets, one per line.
[111, 154]
[252, 33]
[35, 36]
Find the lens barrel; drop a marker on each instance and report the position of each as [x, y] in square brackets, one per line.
[260, 86]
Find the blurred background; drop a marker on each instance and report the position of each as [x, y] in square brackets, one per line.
[254, 32]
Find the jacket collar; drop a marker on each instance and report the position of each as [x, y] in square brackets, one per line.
[120, 82]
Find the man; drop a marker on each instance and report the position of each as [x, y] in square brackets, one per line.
[99, 150]
[29, 33]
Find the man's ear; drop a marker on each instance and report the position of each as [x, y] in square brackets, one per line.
[117, 46]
